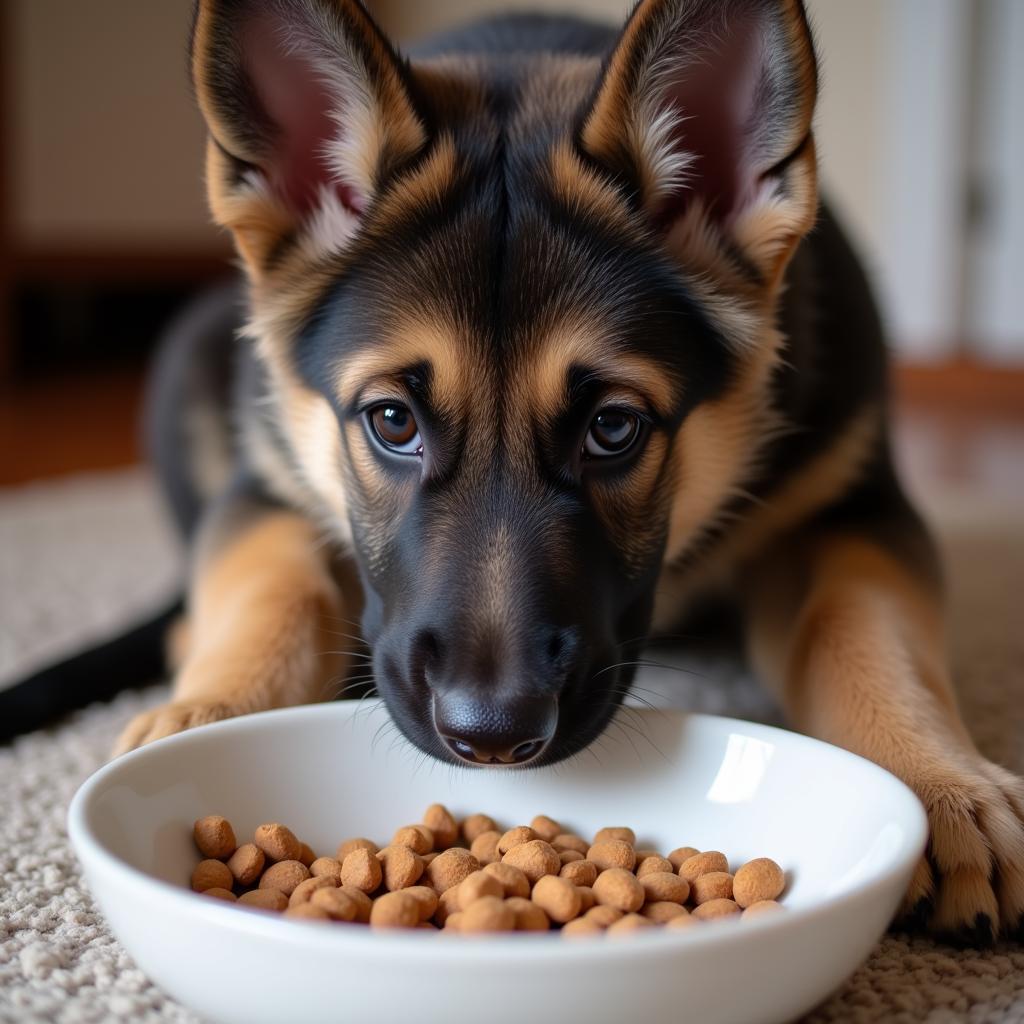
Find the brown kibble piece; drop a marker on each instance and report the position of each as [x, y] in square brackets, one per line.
[215, 837]
[345, 848]
[264, 899]
[661, 911]
[451, 867]
[427, 899]
[220, 894]
[278, 842]
[702, 863]
[535, 859]
[630, 923]
[557, 898]
[246, 863]
[286, 875]
[681, 853]
[568, 841]
[642, 855]
[418, 838]
[587, 898]
[515, 837]
[447, 904]
[582, 926]
[306, 855]
[362, 902]
[579, 872]
[477, 885]
[568, 856]
[766, 907]
[715, 908]
[485, 847]
[308, 912]
[212, 874]
[603, 916]
[443, 825]
[528, 916]
[545, 828]
[488, 914]
[618, 888]
[664, 886]
[452, 921]
[715, 885]
[649, 865]
[682, 921]
[476, 825]
[612, 853]
[513, 881]
[329, 867]
[395, 910]
[624, 835]
[303, 892]
[363, 870]
[339, 905]
[401, 866]
[758, 881]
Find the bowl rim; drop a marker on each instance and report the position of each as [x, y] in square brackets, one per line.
[96, 858]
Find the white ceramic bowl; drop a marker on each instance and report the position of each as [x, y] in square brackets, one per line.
[847, 833]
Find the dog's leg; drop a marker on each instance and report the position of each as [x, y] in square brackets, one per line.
[263, 608]
[850, 633]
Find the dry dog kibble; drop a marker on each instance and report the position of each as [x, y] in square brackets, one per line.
[345, 848]
[625, 835]
[612, 853]
[443, 825]
[451, 867]
[715, 885]
[715, 908]
[212, 874]
[303, 892]
[528, 916]
[579, 872]
[664, 886]
[220, 894]
[513, 881]
[246, 863]
[329, 866]
[401, 867]
[558, 898]
[395, 910]
[618, 888]
[278, 842]
[362, 870]
[487, 914]
[758, 881]
[515, 837]
[477, 885]
[485, 847]
[215, 837]
[535, 859]
[264, 899]
[286, 875]
[476, 825]
[534, 877]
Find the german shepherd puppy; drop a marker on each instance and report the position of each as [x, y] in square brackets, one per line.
[545, 337]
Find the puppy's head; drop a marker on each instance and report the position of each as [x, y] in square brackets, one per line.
[518, 319]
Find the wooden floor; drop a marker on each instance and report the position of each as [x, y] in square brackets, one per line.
[960, 426]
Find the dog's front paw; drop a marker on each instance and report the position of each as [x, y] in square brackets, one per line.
[169, 719]
[969, 886]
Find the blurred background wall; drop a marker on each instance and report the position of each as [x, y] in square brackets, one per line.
[104, 230]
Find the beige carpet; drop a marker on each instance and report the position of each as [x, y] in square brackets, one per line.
[84, 555]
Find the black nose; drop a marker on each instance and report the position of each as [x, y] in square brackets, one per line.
[482, 730]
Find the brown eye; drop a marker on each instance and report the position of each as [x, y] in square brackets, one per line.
[612, 432]
[395, 428]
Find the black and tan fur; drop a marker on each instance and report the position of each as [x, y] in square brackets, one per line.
[530, 219]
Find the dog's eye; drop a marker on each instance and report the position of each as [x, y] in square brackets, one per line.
[394, 426]
[612, 432]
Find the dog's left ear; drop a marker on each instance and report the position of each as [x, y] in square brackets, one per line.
[705, 109]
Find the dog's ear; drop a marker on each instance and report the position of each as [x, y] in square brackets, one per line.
[705, 109]
[308, 110]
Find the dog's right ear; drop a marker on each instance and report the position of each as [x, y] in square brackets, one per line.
[308, 110]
